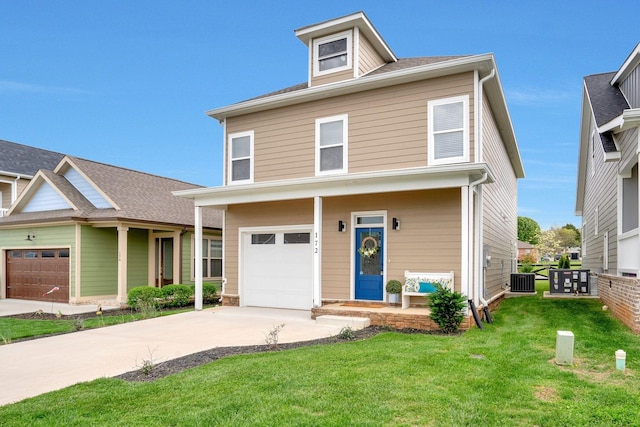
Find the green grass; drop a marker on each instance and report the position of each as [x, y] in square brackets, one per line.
[502, 376]
[12, 329]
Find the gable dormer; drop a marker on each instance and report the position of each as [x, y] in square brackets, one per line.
[343, 49]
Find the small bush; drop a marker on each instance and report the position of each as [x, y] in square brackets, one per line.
[209, 293]
[394, 287]
[176, 295]
[526, 268]
[528, 259]
[347, 333]
[143, 294]
[564, 261]
[447, 308]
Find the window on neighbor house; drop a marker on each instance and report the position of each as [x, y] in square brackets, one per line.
[241, 157]
[630, 201]
[448, 130]
[332, 53]
[211, 258]
[331, 145]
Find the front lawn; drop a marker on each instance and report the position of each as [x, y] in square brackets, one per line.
[502, 376]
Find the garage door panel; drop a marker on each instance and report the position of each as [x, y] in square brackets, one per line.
[31, 276]
[277, 274]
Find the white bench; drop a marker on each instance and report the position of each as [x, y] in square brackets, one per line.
[422, 284]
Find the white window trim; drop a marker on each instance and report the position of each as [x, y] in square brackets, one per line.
[465, 129]
[316, 57]
[345, 144]
[230, 139]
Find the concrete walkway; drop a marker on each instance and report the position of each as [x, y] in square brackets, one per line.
[30, 368]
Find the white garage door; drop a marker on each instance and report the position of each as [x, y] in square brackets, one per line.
[277, 269]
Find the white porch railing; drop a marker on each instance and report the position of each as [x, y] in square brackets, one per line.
[3, 212]
[629, 251]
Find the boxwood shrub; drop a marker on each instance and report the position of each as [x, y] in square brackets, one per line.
[176, 295]
[144, 295]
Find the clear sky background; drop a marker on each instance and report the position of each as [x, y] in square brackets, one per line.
[127, 82]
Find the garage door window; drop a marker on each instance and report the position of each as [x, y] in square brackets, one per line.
[297, 238]
[15, 254]
[31, 254]
[263, 239]
[63, 253]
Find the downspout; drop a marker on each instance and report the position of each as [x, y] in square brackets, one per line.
[478, 232]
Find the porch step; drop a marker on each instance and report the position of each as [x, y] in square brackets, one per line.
[351, 321]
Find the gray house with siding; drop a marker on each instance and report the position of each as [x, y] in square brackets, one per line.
[374, 166]
[93, 231]
[607, 187]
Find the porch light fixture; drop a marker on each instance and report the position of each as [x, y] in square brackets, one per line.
[31, 237]
[395, 224]
[341, 226]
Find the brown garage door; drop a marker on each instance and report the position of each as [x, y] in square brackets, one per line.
[31, 273]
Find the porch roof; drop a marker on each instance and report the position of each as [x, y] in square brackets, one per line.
[424, 178]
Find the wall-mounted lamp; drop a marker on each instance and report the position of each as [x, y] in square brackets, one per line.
[341, 226]
[31, 237]
[395, 224]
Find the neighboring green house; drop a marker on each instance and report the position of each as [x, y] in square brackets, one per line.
[94, 231]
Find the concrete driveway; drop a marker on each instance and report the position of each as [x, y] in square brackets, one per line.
[30, 368]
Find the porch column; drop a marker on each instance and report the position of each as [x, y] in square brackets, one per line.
[122, 263]
[317, 251]
[198, 257]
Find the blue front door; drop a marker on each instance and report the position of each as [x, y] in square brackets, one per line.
[369, 266]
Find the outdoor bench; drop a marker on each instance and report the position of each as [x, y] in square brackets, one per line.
[421, 284]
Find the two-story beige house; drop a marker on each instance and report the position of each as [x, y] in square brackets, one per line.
[374, 166]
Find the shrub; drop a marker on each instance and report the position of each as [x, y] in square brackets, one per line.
[564, 261]
[446, 308]
[394, 287]
[528, 259]
[526, 268]
[209, 293]
[146, 295]
[176, 295]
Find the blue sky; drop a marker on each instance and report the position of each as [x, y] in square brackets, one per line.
[127, 82]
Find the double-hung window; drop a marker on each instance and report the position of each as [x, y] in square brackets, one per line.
[331, 145]
[448, 130]
[332, 53]
[240, 158]
[211, 258]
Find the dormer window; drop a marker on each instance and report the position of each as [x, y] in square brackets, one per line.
[332, 53]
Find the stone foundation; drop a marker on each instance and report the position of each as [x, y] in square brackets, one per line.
[622, 296]
[231, 300]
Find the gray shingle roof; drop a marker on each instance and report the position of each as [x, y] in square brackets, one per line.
[400, 64]
[25, 160]
[607, 102]
[140, 197]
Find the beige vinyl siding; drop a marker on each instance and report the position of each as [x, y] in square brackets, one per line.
[428, 240]
[294, 212]
[338, 76]
[387, 129]
[368, 58]
[601, 187]
[5, 189]
[500, 207]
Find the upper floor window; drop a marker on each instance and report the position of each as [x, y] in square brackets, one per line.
[241, 157]
[448, 137]
[331, 145]
[332, 53]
